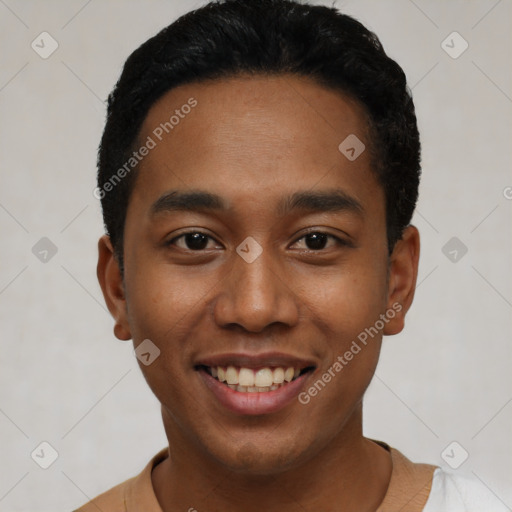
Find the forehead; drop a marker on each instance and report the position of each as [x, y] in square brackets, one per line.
[248, 136]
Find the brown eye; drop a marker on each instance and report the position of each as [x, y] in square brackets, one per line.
[317, 241]
[193, 241]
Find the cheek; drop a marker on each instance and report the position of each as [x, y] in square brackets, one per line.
[347, 311]
[168, 307]
[163, 302]
[164, 307]
[352, 300]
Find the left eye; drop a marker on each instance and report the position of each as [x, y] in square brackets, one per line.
[317, 241]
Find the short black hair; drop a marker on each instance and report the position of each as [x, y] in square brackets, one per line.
[228, 38]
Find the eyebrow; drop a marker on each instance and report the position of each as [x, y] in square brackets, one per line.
[332, 200]
[320, 201]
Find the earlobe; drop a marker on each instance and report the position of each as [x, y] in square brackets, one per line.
[111, 282]
[403, 272]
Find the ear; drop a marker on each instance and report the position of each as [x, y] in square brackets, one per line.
[111, 282]
[403, 272]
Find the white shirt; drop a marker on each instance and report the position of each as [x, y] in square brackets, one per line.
[458, 493]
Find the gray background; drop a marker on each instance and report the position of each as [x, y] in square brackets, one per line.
[66, 380]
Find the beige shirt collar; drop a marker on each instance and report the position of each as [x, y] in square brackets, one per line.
[408, 489]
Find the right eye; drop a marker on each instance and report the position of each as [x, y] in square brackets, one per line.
[192, 241]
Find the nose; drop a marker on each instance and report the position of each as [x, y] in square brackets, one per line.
[256, 295]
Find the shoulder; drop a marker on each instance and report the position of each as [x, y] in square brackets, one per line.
[133, 495]
[459, 493]
[111, 500]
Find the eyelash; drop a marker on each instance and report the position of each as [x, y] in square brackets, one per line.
[339, 241]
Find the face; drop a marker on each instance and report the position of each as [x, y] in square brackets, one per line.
[255, 251]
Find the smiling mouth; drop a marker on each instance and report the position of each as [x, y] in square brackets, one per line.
[249, 380]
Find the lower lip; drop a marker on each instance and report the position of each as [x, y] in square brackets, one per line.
[265, 402]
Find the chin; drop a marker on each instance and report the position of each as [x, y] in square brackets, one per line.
[254, 458]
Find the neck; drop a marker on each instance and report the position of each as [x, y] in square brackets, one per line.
[350, 473]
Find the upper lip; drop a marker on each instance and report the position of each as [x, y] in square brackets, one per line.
[246, 360]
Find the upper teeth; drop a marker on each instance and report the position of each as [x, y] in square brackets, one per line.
[263, 377]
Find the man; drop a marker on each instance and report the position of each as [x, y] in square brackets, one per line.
[258, 173]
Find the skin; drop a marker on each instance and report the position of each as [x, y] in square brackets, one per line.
[253, 141]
